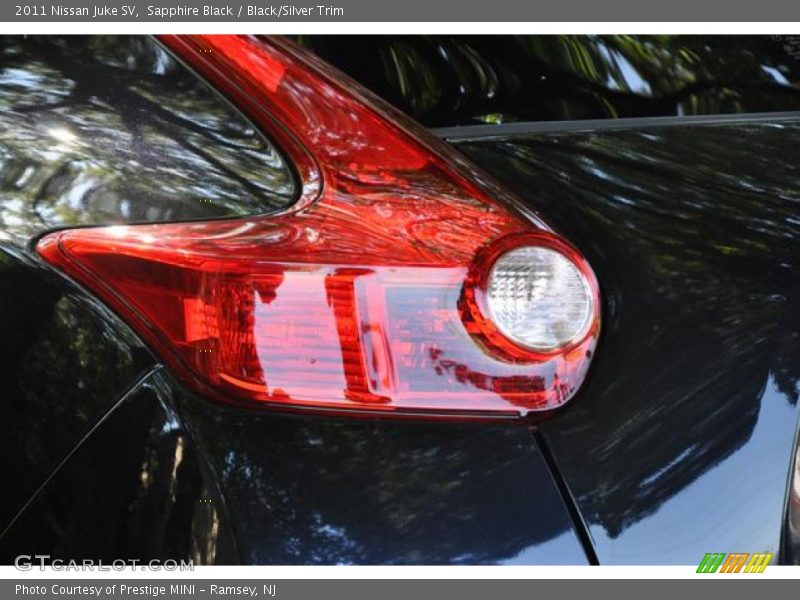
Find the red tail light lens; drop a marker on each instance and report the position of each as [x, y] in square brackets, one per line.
[374, 293]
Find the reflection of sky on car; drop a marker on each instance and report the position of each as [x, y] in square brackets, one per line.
[687, 426]
[113, 129]
[750, 497]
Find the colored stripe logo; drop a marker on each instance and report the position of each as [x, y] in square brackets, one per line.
[736, 562]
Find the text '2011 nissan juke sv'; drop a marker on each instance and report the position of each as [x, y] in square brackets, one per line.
[399, 299]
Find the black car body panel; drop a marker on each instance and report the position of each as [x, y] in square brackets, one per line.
[680, 443]
[134, 488]
[297, 489]
[682, 440]
[185, 479]
[65, 361]
[317, 490]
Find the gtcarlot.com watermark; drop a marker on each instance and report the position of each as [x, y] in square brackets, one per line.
[28, 562]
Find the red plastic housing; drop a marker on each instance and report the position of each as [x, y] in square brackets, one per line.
[365, 295]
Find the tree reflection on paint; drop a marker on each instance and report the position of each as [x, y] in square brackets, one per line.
[458, 80]
[112, 129]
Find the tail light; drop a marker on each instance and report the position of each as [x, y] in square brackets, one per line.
[401, 282]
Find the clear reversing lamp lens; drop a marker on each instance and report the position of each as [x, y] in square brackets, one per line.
[539, 298]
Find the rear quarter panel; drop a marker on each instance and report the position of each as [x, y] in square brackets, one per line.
[681, 441]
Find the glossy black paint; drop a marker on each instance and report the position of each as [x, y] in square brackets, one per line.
[64, 361]
[222, 485]
[112, 129]
[319, 490]
[134, 489]
[465, 80]
[681, 441]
